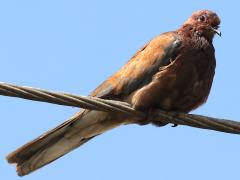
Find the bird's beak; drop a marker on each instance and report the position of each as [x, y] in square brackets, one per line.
[218, 32]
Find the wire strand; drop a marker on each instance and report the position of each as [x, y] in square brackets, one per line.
[94, 103]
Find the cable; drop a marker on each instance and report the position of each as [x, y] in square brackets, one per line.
[94, 103]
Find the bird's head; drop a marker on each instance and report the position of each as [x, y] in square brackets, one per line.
[204, 23]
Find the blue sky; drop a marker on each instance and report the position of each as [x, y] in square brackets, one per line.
[72, 46]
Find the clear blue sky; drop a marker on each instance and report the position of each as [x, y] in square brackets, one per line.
[73, 46]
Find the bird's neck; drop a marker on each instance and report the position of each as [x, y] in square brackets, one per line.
[190, 34]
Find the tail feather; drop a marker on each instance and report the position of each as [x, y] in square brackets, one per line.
[46, 156]
[57, 142]
[42, 141]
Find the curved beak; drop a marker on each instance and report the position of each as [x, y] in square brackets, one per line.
[218, 32]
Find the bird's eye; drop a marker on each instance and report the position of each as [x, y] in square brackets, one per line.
[202, 18]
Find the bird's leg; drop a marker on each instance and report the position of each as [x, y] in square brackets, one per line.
[146, 120]
[174, 125]
[149, 119]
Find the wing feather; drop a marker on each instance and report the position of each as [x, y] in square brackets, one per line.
[140, 69]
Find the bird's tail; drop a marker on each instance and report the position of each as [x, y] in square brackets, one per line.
[64, 138]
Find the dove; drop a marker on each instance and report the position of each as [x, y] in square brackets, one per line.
[173, 72]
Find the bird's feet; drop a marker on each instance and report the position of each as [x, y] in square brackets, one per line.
[147, 118]
[174, 125]
[150, 119]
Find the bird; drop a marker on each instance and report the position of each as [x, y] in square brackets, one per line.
[174, 72]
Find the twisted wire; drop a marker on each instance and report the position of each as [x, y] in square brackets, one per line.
[94, 103]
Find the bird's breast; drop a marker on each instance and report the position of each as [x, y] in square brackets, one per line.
[181, 86]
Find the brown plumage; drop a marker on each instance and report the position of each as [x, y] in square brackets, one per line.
[174, 72]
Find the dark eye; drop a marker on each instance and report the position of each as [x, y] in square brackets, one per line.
[202, 18]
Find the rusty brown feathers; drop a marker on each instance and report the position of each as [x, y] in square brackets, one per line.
[174, 72]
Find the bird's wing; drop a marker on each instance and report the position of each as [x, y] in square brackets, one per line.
[140, 68]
